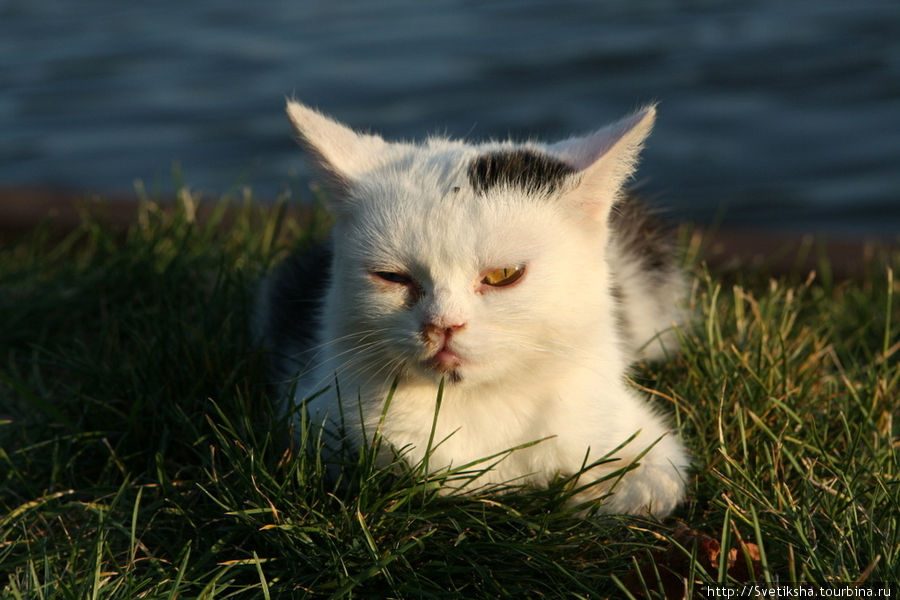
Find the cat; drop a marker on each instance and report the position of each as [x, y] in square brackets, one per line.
[519, 278]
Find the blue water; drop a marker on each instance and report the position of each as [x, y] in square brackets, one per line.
[776, 113]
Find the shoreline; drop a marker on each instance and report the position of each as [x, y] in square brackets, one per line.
[22, 209]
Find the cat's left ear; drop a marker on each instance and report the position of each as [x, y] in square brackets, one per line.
[605, 160]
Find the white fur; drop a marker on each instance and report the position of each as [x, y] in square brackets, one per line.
[542, 358]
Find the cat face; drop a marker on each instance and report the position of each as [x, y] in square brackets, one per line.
[452, 261]
[449, 283]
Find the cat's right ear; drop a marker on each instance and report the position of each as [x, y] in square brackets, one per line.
[340, 154]
[605, 160]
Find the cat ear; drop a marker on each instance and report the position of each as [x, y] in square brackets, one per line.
[606, 159]
[338, 151]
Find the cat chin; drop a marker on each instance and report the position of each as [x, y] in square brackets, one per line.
[487, 375]
[433, 374]
[453, 376]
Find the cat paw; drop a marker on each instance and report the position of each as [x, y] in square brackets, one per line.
[650, 490]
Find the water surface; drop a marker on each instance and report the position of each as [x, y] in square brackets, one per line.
[783, 114]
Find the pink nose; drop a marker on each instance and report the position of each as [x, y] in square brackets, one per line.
[437, 332]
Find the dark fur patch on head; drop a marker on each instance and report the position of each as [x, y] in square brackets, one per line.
[526, 170]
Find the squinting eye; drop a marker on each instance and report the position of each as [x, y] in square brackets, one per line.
[392, 277]
[503, 276]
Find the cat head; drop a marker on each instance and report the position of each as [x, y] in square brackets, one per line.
[473, 262]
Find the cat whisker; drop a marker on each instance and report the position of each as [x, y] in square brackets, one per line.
[555, 345]
[388, 370]
[359, 336]
[362, 355]
[569, 354]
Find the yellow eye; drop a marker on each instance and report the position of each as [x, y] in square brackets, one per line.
[503, 276]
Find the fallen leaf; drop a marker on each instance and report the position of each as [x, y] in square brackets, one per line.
[673, 564]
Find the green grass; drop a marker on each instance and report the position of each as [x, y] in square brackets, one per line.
[140, 457]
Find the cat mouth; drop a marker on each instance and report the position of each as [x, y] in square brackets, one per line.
[447, 363]
[445, 360]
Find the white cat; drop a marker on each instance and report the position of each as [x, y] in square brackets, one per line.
[519, 274]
